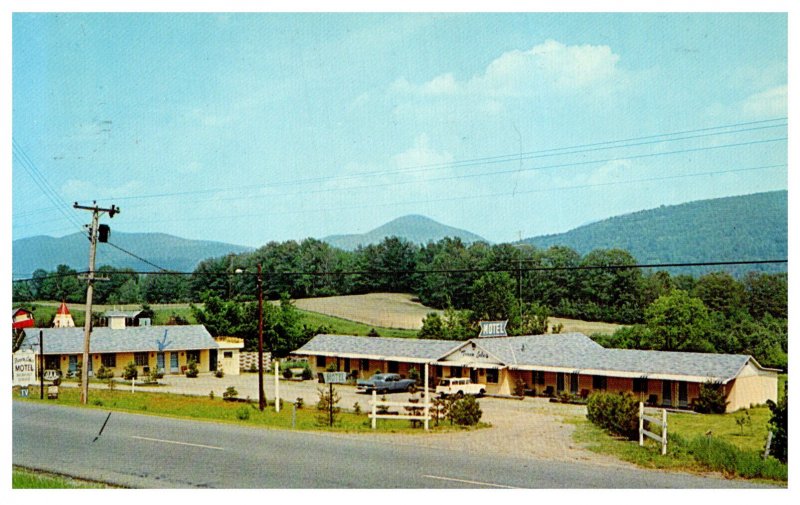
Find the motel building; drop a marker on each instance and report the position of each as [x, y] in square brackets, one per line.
[551, 364]
[165, 348]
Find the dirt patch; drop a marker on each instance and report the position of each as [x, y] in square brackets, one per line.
[387, 310]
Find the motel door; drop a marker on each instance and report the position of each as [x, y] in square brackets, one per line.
[160, 365]
[666, 393]
[473, 375]
[683, 394]
[173, 362]
[212, 359]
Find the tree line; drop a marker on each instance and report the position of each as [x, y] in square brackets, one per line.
[523, 284]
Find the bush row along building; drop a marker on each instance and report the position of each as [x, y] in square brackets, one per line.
[551, 364]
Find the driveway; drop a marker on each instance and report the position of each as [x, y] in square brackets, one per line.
[533, 427]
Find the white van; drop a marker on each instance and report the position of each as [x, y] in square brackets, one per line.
[459, 386]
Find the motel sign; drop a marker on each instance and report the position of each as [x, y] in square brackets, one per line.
[493, 328]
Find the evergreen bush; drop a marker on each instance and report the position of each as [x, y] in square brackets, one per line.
[130, 372]
[465, 411]
[617, 413]
[711, 399]
[191, 369]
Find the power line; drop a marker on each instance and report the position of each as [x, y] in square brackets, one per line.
[268, 274]
[137, 257]
[585, 148]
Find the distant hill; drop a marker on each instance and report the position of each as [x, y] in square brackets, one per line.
[749, 227]
[414, 228]
[166, 251]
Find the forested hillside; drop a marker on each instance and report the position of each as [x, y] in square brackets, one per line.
[414, 228]
[746, 227]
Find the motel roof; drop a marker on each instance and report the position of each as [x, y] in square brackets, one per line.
[566, 353]
[379, 348]
[131, 339]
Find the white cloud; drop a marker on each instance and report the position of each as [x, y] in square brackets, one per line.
[421, 155]
[766, 104]
[551, 66]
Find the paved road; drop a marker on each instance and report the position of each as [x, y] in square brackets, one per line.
[154, 452]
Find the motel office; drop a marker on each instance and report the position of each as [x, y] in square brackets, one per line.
[551, 364]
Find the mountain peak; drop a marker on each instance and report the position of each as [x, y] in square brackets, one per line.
[415, 228]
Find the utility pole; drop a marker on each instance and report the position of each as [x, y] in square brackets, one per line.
[87, 327]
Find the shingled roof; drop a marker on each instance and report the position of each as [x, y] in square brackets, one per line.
[567, 353]
[133, 339]
[379, 348]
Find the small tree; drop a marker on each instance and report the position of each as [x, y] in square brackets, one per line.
[327, 406]
[104, 373]
[711, 399]
[191, 369]
[130, 372]
[465, 411]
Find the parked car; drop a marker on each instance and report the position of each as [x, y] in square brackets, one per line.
[385, 383]
[459, 386]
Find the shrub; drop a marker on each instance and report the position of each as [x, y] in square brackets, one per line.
[616, 413]
[299, 402]
[779, 423]
[287, 374]
[243, 413]
[465, 411]
[104, 373]
[413, 373]
[211, 395]
[219, 373]
[130, 372]
[191, 369]
[98, 402]
[356, 408]
[711, 399]
[326, 406]
[153, 375]
[229, 394]
[725, 457]
[519, 387]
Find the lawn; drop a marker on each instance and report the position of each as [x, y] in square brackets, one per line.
[23, 478]
[218, 410]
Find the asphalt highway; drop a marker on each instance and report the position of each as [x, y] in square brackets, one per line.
[145, 451]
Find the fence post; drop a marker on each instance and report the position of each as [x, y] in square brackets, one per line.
[374, 409]
[664, 432]
[769, 444]
[641, 424]
[427, 400]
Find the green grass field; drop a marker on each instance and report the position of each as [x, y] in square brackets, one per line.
[218, 410]
[345, 327]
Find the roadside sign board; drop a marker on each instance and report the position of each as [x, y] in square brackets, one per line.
[334, 377]
[24, 367]
[493, 328]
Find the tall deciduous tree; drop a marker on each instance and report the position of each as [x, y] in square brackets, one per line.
[677, 322]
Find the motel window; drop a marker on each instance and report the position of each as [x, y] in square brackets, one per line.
[320, 361]
[108, 360]
[364, 366]
[52, 362]
[347, 365]
[193, 355]
[455, 371]
[599, 382]
[640, 385]
[492, 376]
[227, 354]
[140, 358]
[560, 382]
[537, 377]
[392, 366]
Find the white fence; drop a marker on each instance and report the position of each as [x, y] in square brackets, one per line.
[416, 411]
[649, 434]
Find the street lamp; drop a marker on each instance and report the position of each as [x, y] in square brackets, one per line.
[262, 402]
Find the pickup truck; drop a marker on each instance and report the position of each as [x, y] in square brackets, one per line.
[385, 383]
[459, 386]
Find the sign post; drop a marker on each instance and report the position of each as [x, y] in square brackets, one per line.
[332, 378]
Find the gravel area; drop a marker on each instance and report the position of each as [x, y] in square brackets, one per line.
[529, 428]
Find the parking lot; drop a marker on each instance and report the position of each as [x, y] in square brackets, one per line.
[532, 427]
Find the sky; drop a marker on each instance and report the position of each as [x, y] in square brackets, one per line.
[249, 128]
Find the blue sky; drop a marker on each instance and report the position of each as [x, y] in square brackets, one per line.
[247, 128]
